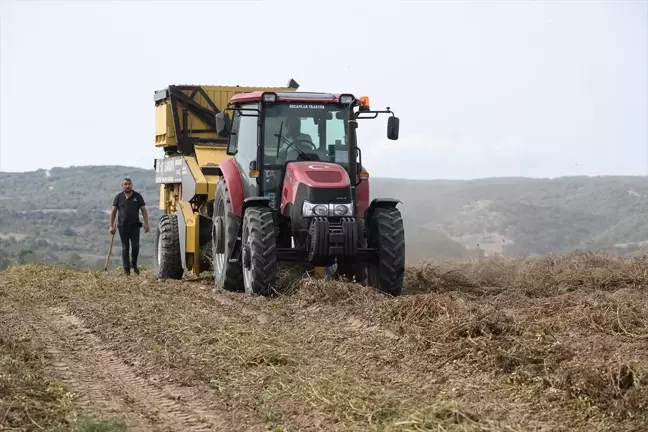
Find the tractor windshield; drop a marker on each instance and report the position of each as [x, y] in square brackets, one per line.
[301, 132]
[304, 131]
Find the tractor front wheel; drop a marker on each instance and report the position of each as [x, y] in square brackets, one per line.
[259, 251]
[167, 262]
[387, 235]
[227, 275]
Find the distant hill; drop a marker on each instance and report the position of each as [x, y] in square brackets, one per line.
[62, 215]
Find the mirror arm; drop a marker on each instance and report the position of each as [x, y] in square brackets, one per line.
[374, 112]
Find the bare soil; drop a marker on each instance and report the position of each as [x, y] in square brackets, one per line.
[111, 386]
[546, 344]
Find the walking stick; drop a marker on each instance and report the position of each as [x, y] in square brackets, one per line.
[112, 237]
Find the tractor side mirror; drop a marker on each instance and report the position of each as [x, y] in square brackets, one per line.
[223, 124]
[392, 127]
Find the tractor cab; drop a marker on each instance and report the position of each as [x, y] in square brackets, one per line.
[295, 127]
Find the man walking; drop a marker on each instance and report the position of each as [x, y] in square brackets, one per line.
[129, 203]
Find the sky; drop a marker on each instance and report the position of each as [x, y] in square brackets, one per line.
[482, 89]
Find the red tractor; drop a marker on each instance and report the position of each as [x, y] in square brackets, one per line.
[296, 190]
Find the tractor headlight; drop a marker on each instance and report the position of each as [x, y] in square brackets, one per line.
[309, 209]
[342, 209]
[320, 209]
[269, 97]
[346, 99]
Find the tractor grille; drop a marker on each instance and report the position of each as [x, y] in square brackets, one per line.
[335, 227]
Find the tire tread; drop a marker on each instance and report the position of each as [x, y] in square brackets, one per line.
[263, 249]
[232, 280]
[387, 233]
[169, 241]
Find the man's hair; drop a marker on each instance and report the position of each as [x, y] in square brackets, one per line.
[127, 179]
[293, 122]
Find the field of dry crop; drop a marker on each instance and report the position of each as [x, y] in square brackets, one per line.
[545, 344]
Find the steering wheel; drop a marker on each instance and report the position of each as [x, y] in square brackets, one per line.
[312, 144]
[292, 144]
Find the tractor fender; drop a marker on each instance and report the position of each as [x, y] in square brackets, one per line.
[380, 203]
[232, 175]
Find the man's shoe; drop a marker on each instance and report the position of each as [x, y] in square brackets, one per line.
[136, 270]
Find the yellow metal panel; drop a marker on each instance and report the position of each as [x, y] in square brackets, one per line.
[191, 245]
[210, 155]
[220, 95]
[196, 247]
[201, 182]
[169, 195]
[164, 132]
[162, 204]
[212, 184]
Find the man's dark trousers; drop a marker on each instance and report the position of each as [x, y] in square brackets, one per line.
[130, 236]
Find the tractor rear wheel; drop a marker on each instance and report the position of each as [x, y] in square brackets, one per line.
[227, 275]
[167, 262]
[259, 251]
[387, 235]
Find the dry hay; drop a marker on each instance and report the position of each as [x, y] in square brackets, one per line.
[550, 343]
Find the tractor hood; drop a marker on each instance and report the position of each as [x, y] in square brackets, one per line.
[317, 174]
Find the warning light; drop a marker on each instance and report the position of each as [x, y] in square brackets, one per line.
[364, 103]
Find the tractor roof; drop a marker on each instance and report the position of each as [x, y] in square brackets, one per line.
[256, 96]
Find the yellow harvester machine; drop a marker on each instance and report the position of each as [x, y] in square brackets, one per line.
[185, 129]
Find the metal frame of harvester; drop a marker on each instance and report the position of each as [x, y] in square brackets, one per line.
[218, 214]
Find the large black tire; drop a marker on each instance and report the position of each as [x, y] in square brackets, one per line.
[387, 235]
[228, 276]
[166, 260]
[259, 251]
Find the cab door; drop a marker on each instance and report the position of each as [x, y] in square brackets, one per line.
[244, 142]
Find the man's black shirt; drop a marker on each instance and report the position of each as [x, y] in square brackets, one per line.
[128, 208]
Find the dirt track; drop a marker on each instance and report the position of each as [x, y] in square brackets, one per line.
[110, 385]
[553, 344]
